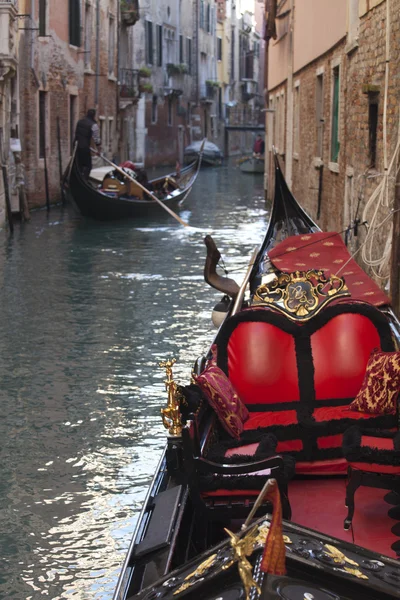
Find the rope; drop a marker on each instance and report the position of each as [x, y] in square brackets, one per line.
[380, 197]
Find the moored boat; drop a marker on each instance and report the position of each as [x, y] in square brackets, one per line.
[212, 155]
[252, 164]
[119, 198]
[282, 394]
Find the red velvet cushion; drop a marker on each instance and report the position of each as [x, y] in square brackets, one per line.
[230, 410]
[381, 384]
[268, 419]
[262, 364]
[333, 413]
[341, 349]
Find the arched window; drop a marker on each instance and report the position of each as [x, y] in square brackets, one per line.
[74, 23]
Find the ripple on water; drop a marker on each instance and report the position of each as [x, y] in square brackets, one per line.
[88, 312]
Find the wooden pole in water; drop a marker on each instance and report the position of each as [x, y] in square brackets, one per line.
[60, 157]
[46, 179]
[8, 201]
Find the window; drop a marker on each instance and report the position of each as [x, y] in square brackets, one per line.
[201, 24]
[42, 17]
[335, 145]
[169, 111]
[159, 35]
[88, 35]
[74, 23]
[72, 120]
[319, 112]
[181, 58]
[102, 132]
[233, 55]
[170, 45]
[282, 125]
[296, 120]
[42, 123]
[219, 48]
[208, 19]
[372, 127]
[277, 122]
[154, 110]
[189, 54]
[111, 44]
[149, 42]
[110, 133]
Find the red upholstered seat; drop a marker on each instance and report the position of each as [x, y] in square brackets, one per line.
[297, 379]
[262, 364]
[340, 350]
[269, 419]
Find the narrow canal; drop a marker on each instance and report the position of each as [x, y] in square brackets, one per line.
[87, 312]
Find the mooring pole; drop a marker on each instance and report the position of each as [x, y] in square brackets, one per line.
[8, 200]
[46, 179]
[60, 157]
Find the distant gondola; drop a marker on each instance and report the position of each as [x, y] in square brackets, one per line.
[252, 164]
[296, 349]
[123, 199]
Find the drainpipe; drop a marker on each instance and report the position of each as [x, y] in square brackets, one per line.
[289, 115]
[97, 83]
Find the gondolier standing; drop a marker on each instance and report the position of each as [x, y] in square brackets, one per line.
[86, 131]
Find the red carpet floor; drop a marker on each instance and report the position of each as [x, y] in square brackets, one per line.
[319, 504]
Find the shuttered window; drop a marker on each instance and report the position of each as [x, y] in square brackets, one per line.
[149, 42]
[335, 145]
[74, 23]
[159, 34]
[42, 17]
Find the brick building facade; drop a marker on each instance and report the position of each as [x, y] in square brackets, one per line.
[327, 124]
[65, 68]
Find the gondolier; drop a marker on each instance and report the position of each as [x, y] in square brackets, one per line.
[86, 131]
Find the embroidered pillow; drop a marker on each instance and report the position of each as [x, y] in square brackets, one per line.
[219, 391]
[381, 385]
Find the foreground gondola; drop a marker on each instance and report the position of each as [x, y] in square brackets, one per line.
[295, 346]
[128, 200]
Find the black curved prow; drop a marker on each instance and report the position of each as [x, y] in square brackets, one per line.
[287, 218]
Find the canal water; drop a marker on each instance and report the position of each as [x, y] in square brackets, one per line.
[87, 312]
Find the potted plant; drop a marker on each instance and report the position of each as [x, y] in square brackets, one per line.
[180, 69]
[144, 72]
[146, 88]
[129, 11]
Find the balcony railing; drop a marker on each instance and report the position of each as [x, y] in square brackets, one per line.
[244, 115]
[129, 84]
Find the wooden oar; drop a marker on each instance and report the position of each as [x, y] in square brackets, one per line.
[152, 196]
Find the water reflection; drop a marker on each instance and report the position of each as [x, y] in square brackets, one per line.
[88, 311]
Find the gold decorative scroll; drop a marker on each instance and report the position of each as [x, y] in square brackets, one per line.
[302, 294]
[171, 415]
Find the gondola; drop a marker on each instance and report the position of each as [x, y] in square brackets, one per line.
[118, 199]
[254, 496]
[212, 155]
[252, 164]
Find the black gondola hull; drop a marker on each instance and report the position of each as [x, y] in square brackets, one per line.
[95, 204]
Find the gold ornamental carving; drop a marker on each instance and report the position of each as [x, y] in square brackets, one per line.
[302, 294]
[171, 415]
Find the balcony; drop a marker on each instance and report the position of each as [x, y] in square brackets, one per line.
[8, 37]
[129, 12]
[208, 91]
[129, 88]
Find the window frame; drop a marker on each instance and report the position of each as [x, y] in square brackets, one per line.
[149, 42]
[334, 142]
[74, 23]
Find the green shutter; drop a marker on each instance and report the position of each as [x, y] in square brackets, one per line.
[335, 144]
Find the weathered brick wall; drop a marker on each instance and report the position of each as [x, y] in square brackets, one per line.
[58, 69]
[366, 72]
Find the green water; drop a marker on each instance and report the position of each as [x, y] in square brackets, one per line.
[87, 312]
